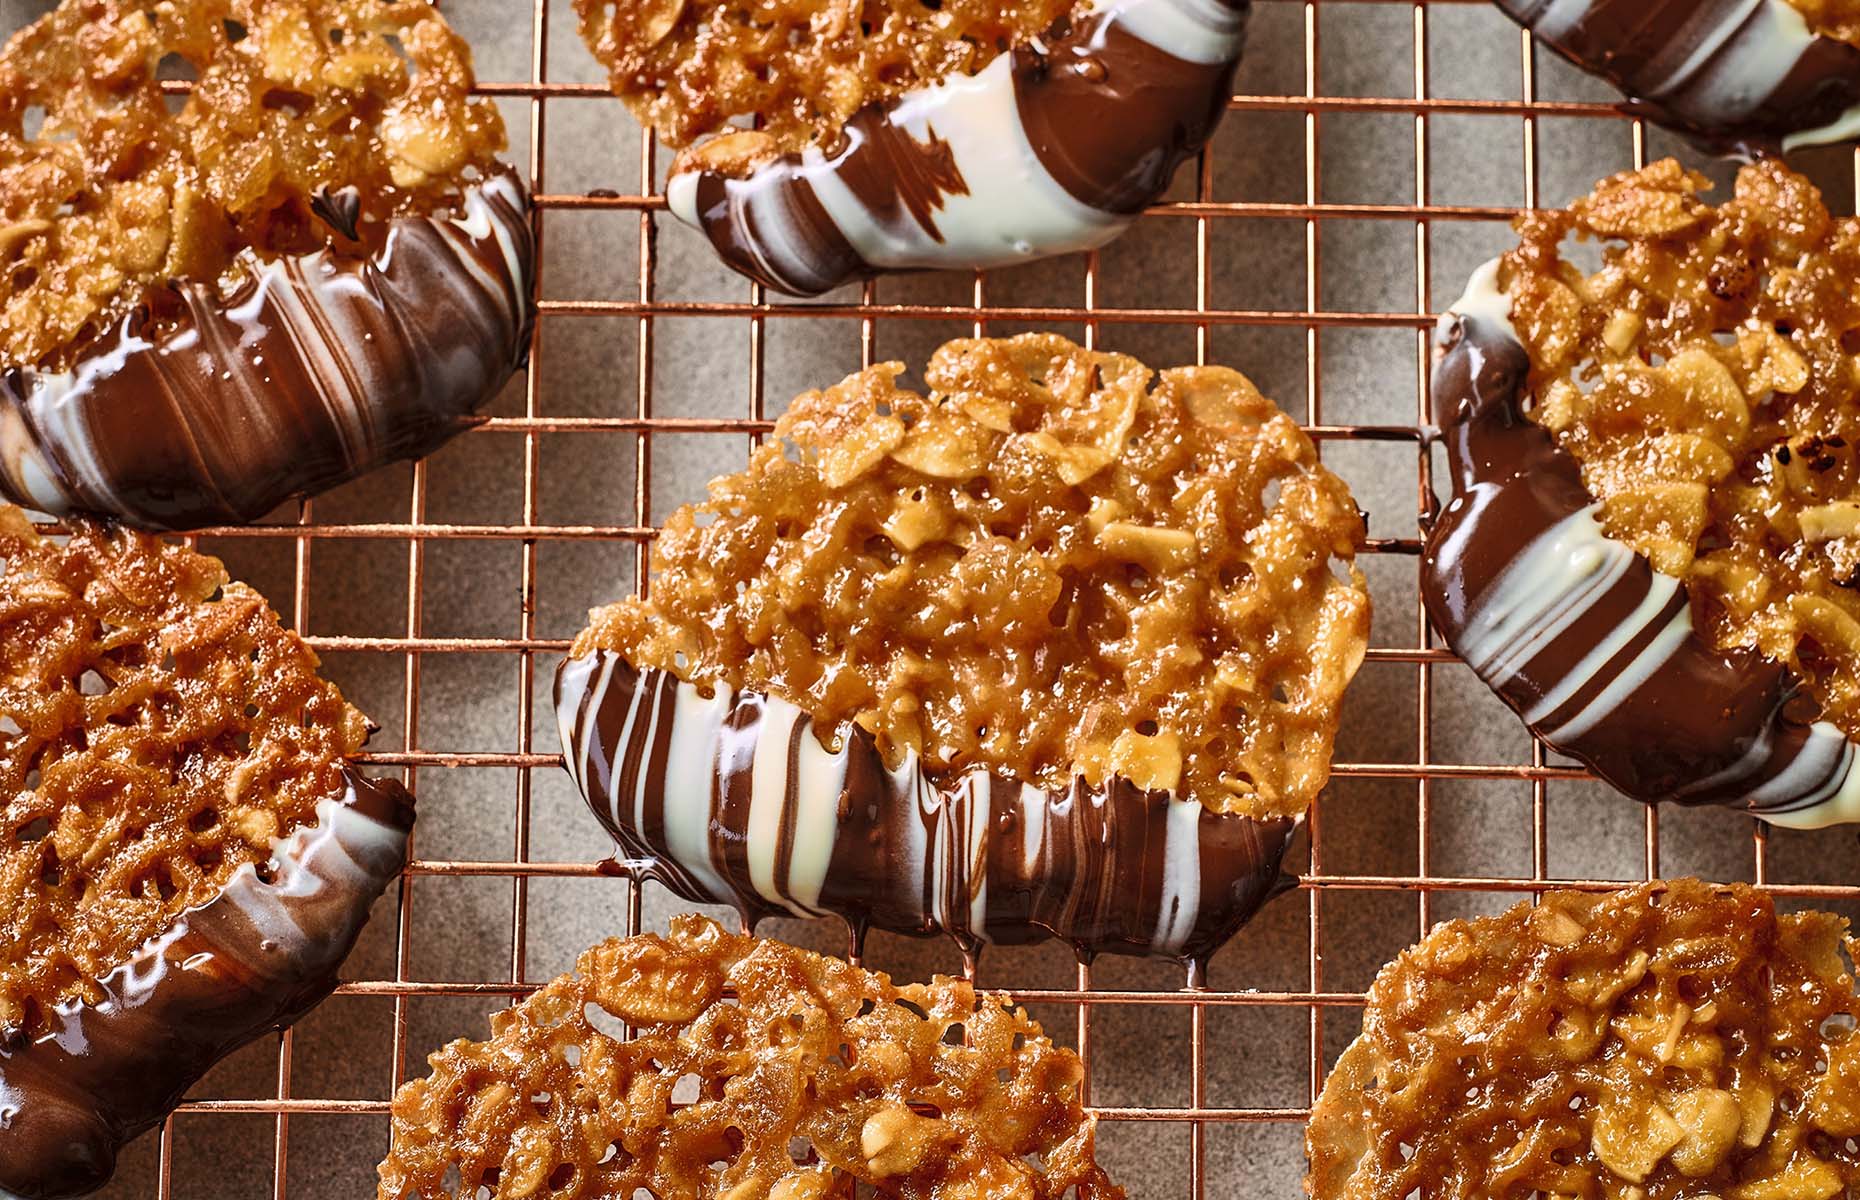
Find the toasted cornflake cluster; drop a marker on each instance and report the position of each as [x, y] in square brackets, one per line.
[158, 730]
[1674, 1040]
[1834, 18]
[1056, 563]
[1707, 378]
[758, 1072]
[105, 193]
[686, 67]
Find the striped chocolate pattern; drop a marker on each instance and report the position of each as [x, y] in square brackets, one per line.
[255, 958]
[1576, 632]
[1742, 75]
[1053, 147]
[732, 799]
[313, 371]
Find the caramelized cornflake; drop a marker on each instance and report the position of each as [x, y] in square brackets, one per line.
[1832, 18]
[1707, 378]
[757, 1072]
[112, 194]
[686, 67]
[1056, 563]
[1642, 1045]
[158, 730]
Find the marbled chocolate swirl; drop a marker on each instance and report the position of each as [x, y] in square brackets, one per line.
[733, 799]
[205, 408]
[1053, 146]
[1738, 75]
[1597, 651]
[256, 957]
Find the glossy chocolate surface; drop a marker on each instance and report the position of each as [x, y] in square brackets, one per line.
[1576, 632]
[733, 800]
[1734, 75]
[313, 371]
[251, 960]
[1053, 147]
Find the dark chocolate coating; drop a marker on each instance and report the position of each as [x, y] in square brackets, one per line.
[253, 959]
[790, 828]
[313, 371]
[1111, 117]
[1707, 68]
[1683, 721]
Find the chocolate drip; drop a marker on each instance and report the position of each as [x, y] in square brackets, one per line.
[1053, 147]
[1734, 75]
[253, 959]
[733, 800]
[313, 371]
[340, 209]
[1593, 648]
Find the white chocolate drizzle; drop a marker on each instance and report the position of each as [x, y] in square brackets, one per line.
[314, 369]
[733, 798]
[1735, 73]
[985, 170]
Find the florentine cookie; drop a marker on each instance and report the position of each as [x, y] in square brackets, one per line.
[899, 135]
[1054, 650]
[314, 267]
[811, 1075]
[1734, 75]
[1673, 1040]
[1654, 534]
[185, 855]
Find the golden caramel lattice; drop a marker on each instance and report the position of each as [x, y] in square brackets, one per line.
[1058, 562]
[112, 195]
[686, 67]
[758, 1071]
[1707, 378]
[158, 730]
[1640, 1045]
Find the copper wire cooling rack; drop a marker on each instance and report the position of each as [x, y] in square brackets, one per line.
[1419, 774]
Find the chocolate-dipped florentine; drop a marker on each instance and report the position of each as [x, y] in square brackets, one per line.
[315, 267]
[256, 957]
[1673, 1041]
[1054, 146]
[1596, 650]
[1056, 650]
[186, 852]
[732, 799]
[1741, 75]
[310, 372]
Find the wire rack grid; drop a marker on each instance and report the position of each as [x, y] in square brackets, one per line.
[1319, 888]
